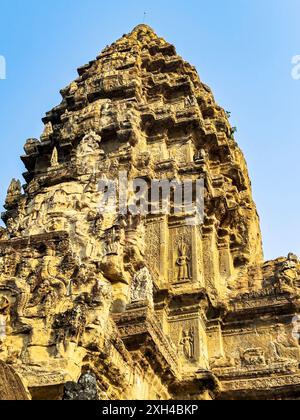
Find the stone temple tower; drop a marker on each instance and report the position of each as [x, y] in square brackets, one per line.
[126, 304]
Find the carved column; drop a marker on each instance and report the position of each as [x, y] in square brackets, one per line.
[215, 341]
[226, 262]
[211, 260]
[157, 238]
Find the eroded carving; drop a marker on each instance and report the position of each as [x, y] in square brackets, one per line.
[142, 306]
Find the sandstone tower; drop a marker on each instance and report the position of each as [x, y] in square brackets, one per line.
[141, 306]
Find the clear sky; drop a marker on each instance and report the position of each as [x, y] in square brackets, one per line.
[243, 49]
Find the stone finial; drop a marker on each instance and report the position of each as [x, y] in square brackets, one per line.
[54, 158]
[14, 193]
[143, 32]
[142, 27]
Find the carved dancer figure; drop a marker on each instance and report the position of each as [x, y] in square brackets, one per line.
[183, 263]
[188, 343]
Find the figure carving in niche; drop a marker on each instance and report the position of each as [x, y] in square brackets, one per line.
[54, 158]
[187, 343]
[142, 287]
[88, 145]
[50, 289]
[88, 153]
[46, 296]
[183, 264]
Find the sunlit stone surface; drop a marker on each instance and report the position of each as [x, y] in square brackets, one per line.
[97, 305]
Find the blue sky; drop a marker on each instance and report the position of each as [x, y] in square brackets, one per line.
[242, 48]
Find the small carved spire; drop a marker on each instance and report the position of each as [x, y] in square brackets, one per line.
[14, 193]
[54, 158]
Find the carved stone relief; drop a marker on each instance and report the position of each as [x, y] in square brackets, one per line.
[180, 261]
[142, 287]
